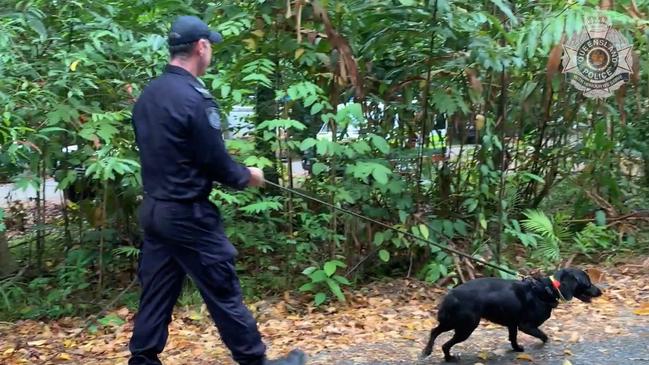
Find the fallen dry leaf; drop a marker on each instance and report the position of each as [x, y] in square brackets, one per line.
[643, 310]
[525, 357]
[37, 343]
[124, 312]
[484, 355]
[388, 316]
[596, 275]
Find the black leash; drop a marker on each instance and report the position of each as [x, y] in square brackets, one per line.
[408, 234]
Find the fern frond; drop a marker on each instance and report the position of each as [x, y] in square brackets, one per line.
[128, 251]
[548, 250]
[562, 227]
[539, 223]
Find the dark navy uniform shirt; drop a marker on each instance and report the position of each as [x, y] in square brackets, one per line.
[178, 132]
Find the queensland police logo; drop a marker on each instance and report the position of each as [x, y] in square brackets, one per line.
[597, 60]
[213, 117]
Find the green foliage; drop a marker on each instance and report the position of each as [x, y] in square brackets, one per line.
[438, 269]
[522, 157]
[111, 320]
[50, 297]
[553, 240]
[325, 281]
[594, 238]
[127, 251]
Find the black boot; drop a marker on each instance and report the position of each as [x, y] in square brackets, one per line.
[295, 357]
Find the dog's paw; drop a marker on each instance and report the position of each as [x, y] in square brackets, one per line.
[451, 359]
[519, 349]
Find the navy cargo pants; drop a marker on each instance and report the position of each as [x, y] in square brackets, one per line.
[180, 239]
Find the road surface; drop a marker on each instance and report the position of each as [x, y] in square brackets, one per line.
[631, 348]
[8, 193]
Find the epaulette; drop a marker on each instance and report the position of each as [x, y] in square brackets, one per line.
[203, 91]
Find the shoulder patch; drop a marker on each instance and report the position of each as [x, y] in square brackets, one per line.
[203, 91]
[213, 117]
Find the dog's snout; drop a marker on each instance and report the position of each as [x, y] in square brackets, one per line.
[594, 291]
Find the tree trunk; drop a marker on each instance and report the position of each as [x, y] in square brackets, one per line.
[7, 262]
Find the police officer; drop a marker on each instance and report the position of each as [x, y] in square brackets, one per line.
[178, 133]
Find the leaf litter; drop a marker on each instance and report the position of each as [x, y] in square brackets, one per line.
[392, 318]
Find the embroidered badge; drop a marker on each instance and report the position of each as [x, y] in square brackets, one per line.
[213, 117]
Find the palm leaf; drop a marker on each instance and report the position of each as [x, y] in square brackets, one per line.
[539, 223]
[548, 250]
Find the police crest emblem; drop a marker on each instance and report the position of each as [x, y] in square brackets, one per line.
[213, 117]
[597, 60]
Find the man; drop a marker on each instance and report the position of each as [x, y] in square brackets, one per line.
[178, 132]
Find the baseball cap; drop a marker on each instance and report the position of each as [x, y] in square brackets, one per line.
[188, 28]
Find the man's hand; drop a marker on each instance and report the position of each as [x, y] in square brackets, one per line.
[256, 177]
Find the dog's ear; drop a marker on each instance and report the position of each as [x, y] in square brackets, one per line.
[568, 283]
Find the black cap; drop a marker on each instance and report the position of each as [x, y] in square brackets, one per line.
[188, 28]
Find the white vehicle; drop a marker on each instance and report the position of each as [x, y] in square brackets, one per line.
[238, 125]
[352, 132]
[348, 132]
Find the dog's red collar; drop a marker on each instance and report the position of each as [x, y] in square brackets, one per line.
[557, 284]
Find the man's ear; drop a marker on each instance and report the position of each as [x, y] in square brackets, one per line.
[199, 48]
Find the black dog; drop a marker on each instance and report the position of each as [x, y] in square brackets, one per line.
[523, 305]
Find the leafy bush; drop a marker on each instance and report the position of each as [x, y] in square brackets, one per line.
[524, 155]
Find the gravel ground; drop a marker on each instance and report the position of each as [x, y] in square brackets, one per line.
[489, 346]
